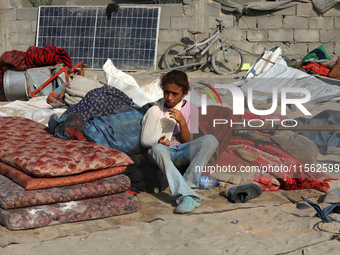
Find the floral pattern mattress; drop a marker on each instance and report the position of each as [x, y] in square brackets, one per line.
[28, 146]
[13, 195]
[67, 212]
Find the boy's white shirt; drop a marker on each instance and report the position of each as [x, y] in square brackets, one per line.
[157, 125]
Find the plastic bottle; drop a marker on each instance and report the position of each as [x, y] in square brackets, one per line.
[208, 182]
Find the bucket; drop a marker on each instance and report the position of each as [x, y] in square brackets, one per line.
[15, 85]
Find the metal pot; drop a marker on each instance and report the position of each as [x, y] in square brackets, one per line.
[14, 83]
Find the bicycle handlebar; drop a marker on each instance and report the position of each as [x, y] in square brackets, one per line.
[220, 24]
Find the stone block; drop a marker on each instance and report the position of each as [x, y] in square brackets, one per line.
[14, 26]
[25, 26]
[269, 22]
[170, 35]
[287, 11]
[297, 49]
[243, 47]
[214, 9]
[304, 35]
[171, 10]
[14, 3]
[321, 22]
[27, 13]
[294, 22]
[329, 35]
[257, 48]
[181, 22]
[329, 48]
[13, 38]
[228, 21]
[234, 35]
[187, 2]
[279, 35]
[20, 47]
[188, 11]
[27, 38]
[26, 3]
[305, 9]
[336, 22]
[333, 12]
[247, 22]
[34, 26]
[337, 49]
[313, 46]
[164, 22]
[257, 35]
[12, 14]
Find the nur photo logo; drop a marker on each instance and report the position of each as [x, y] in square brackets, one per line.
[239, 99]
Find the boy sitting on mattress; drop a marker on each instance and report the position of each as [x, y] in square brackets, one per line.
[167, 129]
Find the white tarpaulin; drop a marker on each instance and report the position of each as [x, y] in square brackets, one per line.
[320, 5]
[280, 75]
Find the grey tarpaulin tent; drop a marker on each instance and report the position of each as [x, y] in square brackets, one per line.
[232, 6]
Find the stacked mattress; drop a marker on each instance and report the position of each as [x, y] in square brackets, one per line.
[46, 180]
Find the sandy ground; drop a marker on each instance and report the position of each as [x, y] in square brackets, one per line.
[258, 229]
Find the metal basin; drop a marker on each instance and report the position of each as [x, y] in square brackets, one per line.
[14, 83]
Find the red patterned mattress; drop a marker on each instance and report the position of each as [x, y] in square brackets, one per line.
[13, 195]
[28, 146]
[34, 183]
[73, 211]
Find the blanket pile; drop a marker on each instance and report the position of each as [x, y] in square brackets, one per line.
[254, 156]
[45, 180]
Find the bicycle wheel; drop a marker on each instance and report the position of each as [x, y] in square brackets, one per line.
[177, 55]
[227, 61]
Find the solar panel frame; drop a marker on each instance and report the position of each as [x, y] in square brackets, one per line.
[129, 39]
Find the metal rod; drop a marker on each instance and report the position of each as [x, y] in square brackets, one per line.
[179, 67]
[254, 54]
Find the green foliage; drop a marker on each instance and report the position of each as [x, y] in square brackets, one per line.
[37, 3]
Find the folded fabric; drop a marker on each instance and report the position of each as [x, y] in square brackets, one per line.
[78, 88]
[13, 195]
[232, 169]
[335, 72]
[323, 213]
[317, 68]
[28, 147]
[55, 98]
[73, 211]
[296, 144]
[120, 131]
[33, 183]
[101, 101]
[69, 126]
[318, 53]
[289, 171]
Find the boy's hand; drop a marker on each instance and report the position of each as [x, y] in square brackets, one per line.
[163, 141]
[176, 114]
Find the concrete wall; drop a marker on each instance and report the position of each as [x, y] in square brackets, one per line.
[297, 30]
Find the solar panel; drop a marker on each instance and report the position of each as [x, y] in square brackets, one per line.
[129, 38]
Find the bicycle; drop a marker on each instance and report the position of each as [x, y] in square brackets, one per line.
[225, 60]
